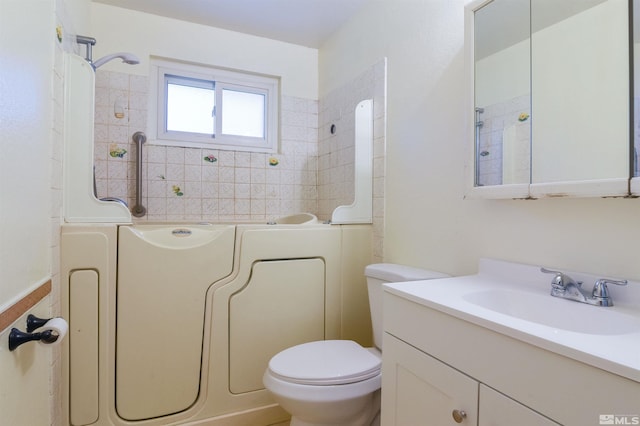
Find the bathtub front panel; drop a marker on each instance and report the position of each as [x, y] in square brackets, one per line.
[282, 305]
[163, 277]
[177, 344]
[287, 281]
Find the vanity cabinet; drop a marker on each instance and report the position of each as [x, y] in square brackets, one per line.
[435, 363]
[419, 389]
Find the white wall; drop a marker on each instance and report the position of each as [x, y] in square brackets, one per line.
[428, 223]
[31, 87]
[118, 30]
[25, 170]
[257, 190]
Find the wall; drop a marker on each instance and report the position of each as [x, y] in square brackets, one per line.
[180, 183]
[336, 151]
[122, 30]
[27, 117]
[203, 184]
[31, 127]
[428, 223]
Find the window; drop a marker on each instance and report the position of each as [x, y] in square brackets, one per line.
[199, 106]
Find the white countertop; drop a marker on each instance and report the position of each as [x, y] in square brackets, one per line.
[604, 337]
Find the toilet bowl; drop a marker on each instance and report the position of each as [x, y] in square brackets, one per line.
[325, 382]
[337, 382]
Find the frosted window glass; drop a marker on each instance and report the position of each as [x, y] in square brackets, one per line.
[243, 113]
[203, 107]
[190, 109]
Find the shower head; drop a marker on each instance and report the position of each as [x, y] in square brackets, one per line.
[127, 58]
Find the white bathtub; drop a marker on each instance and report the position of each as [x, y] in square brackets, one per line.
[187, 318]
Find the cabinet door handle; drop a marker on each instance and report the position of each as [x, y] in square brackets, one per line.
[459, 415]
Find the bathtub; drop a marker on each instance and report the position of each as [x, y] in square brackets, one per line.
[175, 323]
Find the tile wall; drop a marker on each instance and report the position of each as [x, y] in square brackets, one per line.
[336, 151]
[312, 172]
[196, 184]
[495, 119]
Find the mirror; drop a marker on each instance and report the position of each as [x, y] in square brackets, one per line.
[551, 93]
[580, 76]
[502, 93]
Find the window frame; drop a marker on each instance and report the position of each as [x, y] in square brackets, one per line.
[268, 86]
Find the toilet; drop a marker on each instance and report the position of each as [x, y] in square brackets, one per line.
[337, 382]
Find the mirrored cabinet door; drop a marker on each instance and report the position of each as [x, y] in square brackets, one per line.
[502, 93]
[550, 110]
[581, 85]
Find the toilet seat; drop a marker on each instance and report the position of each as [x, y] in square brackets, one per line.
[325, 362]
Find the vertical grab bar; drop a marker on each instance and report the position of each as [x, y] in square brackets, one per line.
[478, 124]
[139, 210]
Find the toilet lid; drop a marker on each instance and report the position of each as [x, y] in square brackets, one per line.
[326, 362]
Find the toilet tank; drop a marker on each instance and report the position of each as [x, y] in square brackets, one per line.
[381, 273]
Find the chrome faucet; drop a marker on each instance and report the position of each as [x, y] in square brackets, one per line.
[565, 287]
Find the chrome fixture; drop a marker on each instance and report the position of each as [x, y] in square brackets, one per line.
[565, 287]
[89, 42]
[127, 58]
[479, 124]
[139, 210]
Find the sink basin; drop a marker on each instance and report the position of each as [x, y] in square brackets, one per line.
[513, 299]
[553, 312]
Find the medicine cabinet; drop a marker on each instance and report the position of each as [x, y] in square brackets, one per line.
[549, 105]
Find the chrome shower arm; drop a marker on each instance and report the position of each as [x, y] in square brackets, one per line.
[89, 42]
[127, 58]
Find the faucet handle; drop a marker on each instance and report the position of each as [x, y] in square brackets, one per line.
[561, 280]
[600, 289]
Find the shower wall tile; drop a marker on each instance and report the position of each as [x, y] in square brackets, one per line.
[202, 184]
[496, 118]
[335, 159]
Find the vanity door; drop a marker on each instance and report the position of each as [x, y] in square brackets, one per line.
[417, 389]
